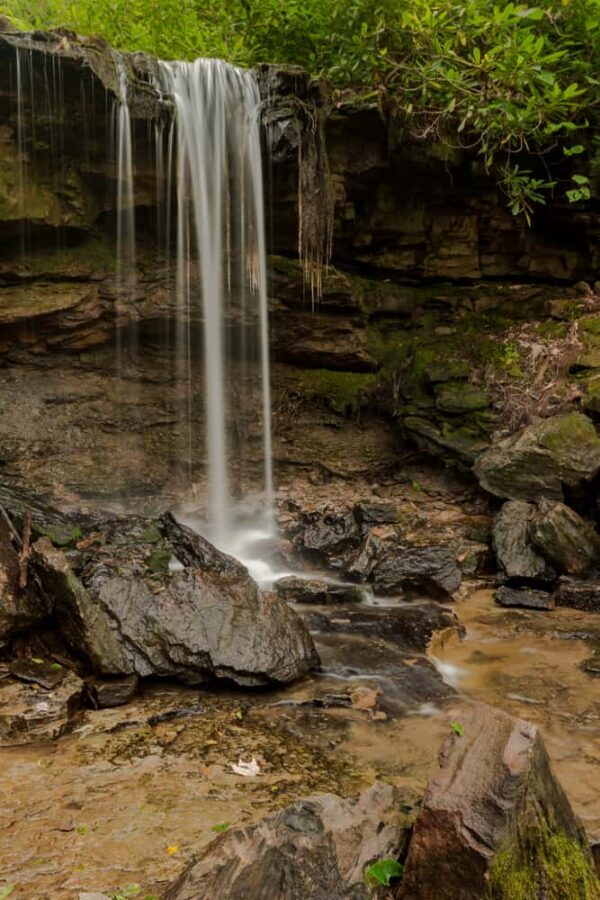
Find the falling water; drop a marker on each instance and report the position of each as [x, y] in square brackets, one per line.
[221, 265]
[125, 268]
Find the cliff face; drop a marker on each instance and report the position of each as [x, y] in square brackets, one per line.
[426, 259]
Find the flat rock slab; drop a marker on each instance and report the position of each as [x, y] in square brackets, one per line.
[30, 713]
[584, 595]
[315, 849]
[526, 597]
[112, 693]
[294, 589]
[410, 626]
[43, 672]
[491, 818]
[151, 597]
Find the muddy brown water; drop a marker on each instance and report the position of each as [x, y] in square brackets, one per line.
[132, 793]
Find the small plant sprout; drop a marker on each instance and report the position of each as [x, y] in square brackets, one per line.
[457, 728]
[384, 872]
[218, 829]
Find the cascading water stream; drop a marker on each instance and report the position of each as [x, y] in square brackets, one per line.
[125, 271]
[221, 270]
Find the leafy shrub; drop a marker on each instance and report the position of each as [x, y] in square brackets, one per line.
[513, 82]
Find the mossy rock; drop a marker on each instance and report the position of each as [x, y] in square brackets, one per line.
[448, 370]
[345, 393]
[542, 458]
[459, 397]
[545, 865]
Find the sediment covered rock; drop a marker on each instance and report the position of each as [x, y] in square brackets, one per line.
[575, 594]
[541, 459]
[30, 712]
[151, 597]
[315, 849]
[495, 822]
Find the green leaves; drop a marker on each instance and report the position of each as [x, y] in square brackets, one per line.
[384, 872]
[501, 78]
[582, 191]
[7, 891]
[457, 728]
[219, 829]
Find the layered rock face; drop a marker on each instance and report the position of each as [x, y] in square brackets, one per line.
[428, 262]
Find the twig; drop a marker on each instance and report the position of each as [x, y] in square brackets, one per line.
[11, 527]
[25, 551]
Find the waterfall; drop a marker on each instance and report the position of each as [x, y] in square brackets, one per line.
[221, 269]
[125, 268]
[209, 227]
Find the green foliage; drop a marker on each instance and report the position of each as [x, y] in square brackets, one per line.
[503, 79]
[7, 891]
[457, 728]
[219, 829]
[384, 871]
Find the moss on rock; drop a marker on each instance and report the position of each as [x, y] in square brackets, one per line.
[549, 866]
[344, 392]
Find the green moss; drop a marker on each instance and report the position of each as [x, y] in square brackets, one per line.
[459, 397]
[573, 429]
[159, 559]
[552, 866]
[344, 392]
[61, 536]
[591, 325]
[151, 535]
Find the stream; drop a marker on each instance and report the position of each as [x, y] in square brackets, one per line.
[133, 792]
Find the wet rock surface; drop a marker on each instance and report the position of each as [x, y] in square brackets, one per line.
[429, 570]
[507, 596]
[318, 848]
[409, 626]
[490, 815]
[120, 604]
[293, 589]
[30, 712]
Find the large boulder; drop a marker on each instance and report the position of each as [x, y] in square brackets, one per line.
[517, 558]
[316, 849]
[151, 597]
[432, 571]
[495, 822]
[569, 543]
[541, 459]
